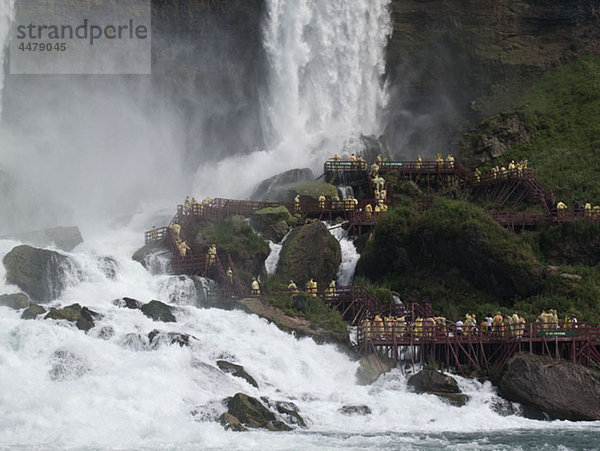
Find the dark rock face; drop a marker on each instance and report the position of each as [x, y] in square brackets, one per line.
[267, 189]
[373, 147]
[451, 63]
[356, 410]
[67, 366]
[231, 423]
[33, 312]
[159, 311]
[64, 238]
[81, 316]
[436, 383]
[144, 255]
[253, 413]
[371, 367]
[492, 138]
[128, 303]
[158, 338]
[15, 301]
[430, 380]
[564, 390]
[237, 371]
[40, 273]
[310, 252]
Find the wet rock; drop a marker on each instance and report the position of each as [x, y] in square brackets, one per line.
[231, 423]
[159, 311]
[288, 411]
[33, 311]
[40, 273]
[65, 365]
[128, 303]
[108, 266]
[145, 253]
[15, 301]
[310, 251]
[492, 138]
[64, 238]
[158, 338]
[237, 371]
[249, 411]
[563, 389]
[81, 316]
[278, 426]
[371, 367]
[430, 380]
[272, 222]
[373, 147]
[355, 410]
[454, 399]
[267, 189]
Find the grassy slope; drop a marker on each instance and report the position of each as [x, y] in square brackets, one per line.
[563, 111]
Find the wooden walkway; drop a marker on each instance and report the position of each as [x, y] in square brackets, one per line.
[479, 349]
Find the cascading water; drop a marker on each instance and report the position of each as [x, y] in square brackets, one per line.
[326, 64]
[350, 256]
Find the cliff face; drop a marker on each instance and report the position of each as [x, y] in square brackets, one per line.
[208, 58]
[453, 62]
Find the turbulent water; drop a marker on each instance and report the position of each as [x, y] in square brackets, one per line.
[116, 392]
[326, 64]
[350, 256]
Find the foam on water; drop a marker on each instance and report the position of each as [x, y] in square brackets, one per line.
[350, 255]
[115, 393]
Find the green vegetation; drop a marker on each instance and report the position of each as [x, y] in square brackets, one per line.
[236, 238]
[456, 257]
[561, 112]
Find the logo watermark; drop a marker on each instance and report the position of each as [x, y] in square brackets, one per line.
[80, 37]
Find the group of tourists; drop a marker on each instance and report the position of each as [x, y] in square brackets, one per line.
[396, 327]
[439, 161]
[580, 209]
[513, 169]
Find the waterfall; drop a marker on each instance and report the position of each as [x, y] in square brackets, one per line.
[345, 191]
[350, 256]
[5, 6]
[326, 66]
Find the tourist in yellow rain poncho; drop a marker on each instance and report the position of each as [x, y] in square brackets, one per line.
[183, 248]
[322, 200]
[255, 287]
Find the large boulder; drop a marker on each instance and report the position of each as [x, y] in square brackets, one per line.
[159, 311]
[563, 389]
[437, 383]
[83, 317]
[64, 238]
[310, 251]
[268, 188]
[251, 412]
[15, 301]
[429, 380]
[40, 273]
[33, 311]
[371, 367]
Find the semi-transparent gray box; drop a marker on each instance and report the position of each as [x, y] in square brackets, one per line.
[80, 37]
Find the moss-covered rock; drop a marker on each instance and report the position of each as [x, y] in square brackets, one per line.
[272, 222]
[159, 311]
[308, 252]
[81, 316]
[268, 188]
[16, 301]
[236, 238]
[33, 311]
[40, 273]
[231, 423]
[430, 380]
[250, 411]
[453, 244]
